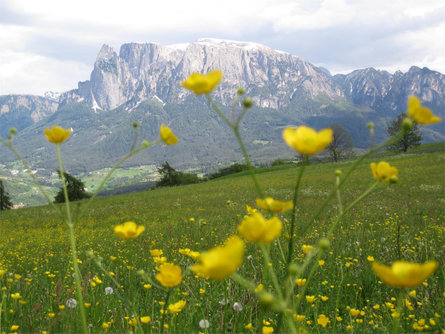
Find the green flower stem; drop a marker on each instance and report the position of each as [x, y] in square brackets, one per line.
[337, 183]
[28, 169]
[399, 309]
[69, 222]
[273, 276]
[112, 170]
[235, 129]
[3, 308]
[165, 310]
[337, 299]
[314, 218]
[243, 282]
[294, 212]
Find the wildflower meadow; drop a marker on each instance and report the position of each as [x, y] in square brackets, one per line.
[350, 247]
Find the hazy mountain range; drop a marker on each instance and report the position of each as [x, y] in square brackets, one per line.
[141, 83]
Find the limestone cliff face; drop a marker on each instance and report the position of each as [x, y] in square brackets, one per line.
[383, 91]
[141, 71]
[20, 111]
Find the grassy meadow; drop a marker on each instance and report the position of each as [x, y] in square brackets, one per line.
[396, 221]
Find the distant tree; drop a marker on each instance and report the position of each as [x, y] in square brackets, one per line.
[341, 145]
[75, 188]
[5, 201]
[410, 138]
[172, 177]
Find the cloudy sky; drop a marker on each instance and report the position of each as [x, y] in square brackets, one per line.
[52, 44]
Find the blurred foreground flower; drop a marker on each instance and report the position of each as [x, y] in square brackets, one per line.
[256, 228]
[57, 134]
[419, 113]
[383, 171]
[170, 275]
[269, 204]
[404, 274]
[202, 84]
[221, 261]
[306, 140]
[167, 135]
[129, 230]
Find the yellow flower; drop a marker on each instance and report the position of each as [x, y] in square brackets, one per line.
[128, 230]
[323, 320]
[221, 261]
[370, 258]
[256, 228]
[170, 275]
[14, 328]
[57, 134]
[105, 325]
[248, 326]
[300, 281]
[383, 171]
[321, 263]
[269, 204]
[133, 322]
[307, 248]
[404, 274]
[419, 113]
[267, 330]
[354, 312]
[202, 84]
[145, 320]
[310, 299]
[306, 140]
[16, 295]
[177, 307]
[167, 135]
[156, 252]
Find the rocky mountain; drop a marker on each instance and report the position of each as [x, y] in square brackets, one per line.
[152, 71]
[141, 83]
[21, 111]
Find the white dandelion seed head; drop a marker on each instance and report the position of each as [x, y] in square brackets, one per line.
[71, 303]
[223, 301]
[237, 307]
[204, 324]
[109, 290]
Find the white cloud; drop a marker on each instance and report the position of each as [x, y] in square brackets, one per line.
[22, 73]
[52, 44]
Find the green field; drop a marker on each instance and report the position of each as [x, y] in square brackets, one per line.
[405, 220]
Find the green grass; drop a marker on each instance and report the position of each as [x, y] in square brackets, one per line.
[34, 244]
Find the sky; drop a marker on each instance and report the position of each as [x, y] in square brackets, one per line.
[51, 45]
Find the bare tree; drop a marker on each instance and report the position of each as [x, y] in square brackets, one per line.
[341, 145]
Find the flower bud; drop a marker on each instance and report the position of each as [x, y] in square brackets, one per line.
[240, 91]
[266, 299]
[338, 172]
[393, 179]
[135, 125]
[247, 102]
[324, 244]
[13, 131]
[145, 143]
[407, 124]
[370, 125]
[294, 269]
[141, 272]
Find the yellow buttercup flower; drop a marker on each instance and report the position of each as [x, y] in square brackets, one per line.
[269, 204]
[323, 320]
[404, 274]
[170, 275]
[306, 140]
[177, 307]
[145, 320]
[202, 84]
[383, 171]
[129, 230]
[57, 134]
[419, 113]
[255, 228]
[221, 261]
[167, 135]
